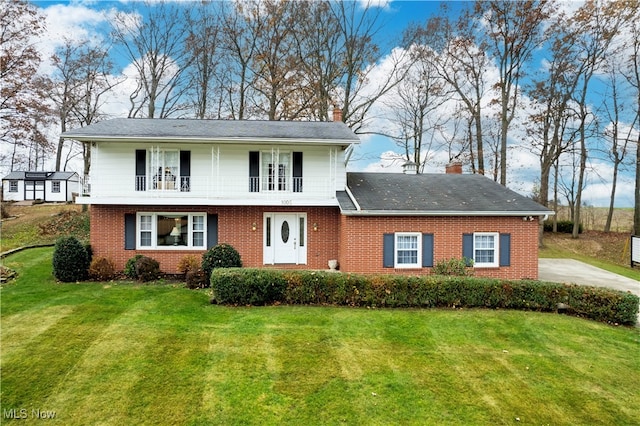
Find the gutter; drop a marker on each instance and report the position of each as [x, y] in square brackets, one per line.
[459, 213]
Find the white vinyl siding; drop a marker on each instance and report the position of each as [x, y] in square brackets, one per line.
[217, 171]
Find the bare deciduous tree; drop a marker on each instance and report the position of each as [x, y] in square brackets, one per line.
[155, 45]
[513, 31]
[23, 113]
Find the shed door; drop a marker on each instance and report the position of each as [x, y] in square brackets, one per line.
[34, 190]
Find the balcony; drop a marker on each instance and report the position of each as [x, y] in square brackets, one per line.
[202, 188]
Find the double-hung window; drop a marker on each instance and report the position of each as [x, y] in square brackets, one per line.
[13, 186]
[485, 249]
[408, 250]
[171, 230]
[55, 186]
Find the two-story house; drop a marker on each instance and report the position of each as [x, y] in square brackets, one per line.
[279, 192]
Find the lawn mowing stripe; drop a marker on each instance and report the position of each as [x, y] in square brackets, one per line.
[30, 376]
[110, 363]
[25, 326]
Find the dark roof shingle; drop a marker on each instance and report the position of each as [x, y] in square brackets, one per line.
[214, 130]
[433, 194]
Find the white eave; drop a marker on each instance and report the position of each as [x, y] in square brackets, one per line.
[303, 202]
[162, 139]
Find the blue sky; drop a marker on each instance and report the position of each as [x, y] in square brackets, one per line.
[78, 19]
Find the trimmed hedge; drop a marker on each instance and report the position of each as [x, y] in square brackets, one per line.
[238, 286]
[564, 226]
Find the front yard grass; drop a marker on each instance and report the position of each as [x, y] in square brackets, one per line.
[126, 353]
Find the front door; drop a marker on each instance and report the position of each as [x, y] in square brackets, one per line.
[285, 238]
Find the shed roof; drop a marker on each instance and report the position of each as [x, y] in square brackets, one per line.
[39, 175]
[192, 130]
[432, 195]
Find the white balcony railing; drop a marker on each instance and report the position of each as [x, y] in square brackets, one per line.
[230, 187]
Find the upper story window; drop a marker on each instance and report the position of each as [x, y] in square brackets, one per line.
[164, 166]
[55, 186]
[163, 169]
[275, 170]
[13, 186]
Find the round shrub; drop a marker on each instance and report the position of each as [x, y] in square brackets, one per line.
[188, 263]
[102, 269]
[147, 269]
[194, 276]
[130, 267]
[453, 267]
[196, 279]
[221, 256]
[70, 260]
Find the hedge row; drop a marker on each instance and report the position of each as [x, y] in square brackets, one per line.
[246, 286]
[564, 226]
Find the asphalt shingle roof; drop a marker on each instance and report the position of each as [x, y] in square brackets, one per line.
[433, 194]
[215, 130]
[21, 175]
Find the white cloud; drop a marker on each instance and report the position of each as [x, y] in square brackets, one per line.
[76, 22]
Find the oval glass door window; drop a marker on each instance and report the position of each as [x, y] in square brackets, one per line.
[284, 231]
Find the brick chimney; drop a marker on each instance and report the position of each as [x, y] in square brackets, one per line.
[337, 114]
[454, 168]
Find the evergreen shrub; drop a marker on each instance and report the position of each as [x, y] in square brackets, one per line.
[130, 267]
[564, 226]
[70, 260]
[147, 269]
[455, 267]
[220, 256]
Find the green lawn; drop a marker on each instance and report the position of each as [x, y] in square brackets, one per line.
[123, 353]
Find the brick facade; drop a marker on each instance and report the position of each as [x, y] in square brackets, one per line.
[357, 242]
[361, 242]
[235, 227]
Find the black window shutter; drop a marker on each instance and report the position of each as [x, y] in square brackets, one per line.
[212, 230]
[141, 169]
[129, 231]
[388, 251]
[254, 171]
[467, 248]
[185, 171]
[505, 249]
[427, 250]
[297, 172]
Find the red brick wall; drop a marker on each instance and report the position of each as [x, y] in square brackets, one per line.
[355, 241]
[361, 242]
[234, 227]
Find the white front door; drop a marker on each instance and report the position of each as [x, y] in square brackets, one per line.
[285, 236]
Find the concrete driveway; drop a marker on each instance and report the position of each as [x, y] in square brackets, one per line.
[576, 272]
